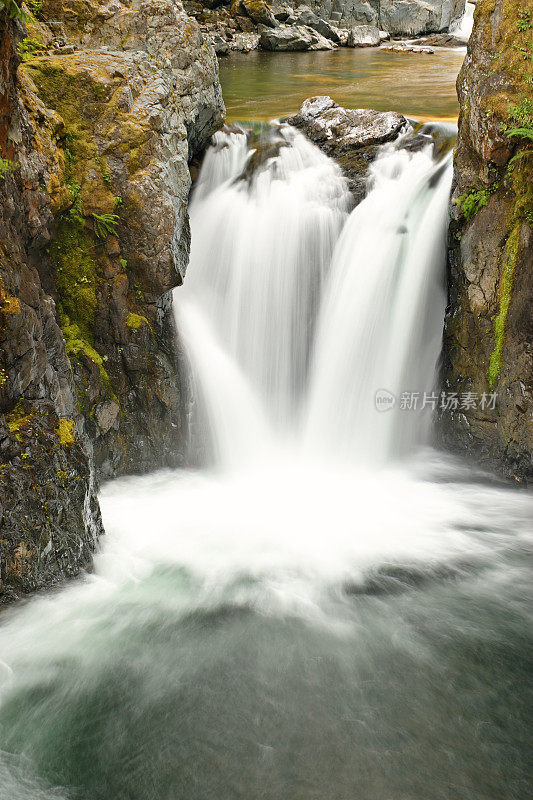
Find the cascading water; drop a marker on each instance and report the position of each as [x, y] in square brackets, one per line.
[463, 28]
[269, 262]
[317, 618]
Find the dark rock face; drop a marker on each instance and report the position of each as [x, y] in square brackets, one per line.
[488, 337]
[96, 129]
[49, 515]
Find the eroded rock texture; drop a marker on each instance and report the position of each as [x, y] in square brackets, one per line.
[489, 324]
[97, 125]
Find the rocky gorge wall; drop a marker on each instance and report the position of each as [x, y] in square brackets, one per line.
[488, 336]
[101, 108]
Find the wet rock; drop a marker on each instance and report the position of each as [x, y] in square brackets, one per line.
[363, 36]
[327, 123]
[294, 38]
[350, 136]
[403, 47]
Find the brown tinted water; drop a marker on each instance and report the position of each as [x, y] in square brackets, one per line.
[263, 86]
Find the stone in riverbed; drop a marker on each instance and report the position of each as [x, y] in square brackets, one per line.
[350, 136]
[305, 16]
[325, 122]
[412, 17]
[257, 10]
[363, 36]
[294, 38]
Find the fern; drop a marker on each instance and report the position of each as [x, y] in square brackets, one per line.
[14, 10]
[105, 224]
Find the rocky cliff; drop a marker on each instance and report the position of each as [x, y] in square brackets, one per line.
[101, 108]
[488, 338]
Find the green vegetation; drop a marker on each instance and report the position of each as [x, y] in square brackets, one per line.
[36, 7]
[14, 10]
[18, 419]
[505, 300]
[525, 22]
[6, 167]
[471, 202]
[135, 321]
[105, 224]
[65, 432]
[30, 47]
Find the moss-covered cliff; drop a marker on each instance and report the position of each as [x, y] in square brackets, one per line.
[488, 342]
[101, 107]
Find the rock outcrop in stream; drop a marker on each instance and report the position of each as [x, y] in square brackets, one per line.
[488, 338]
[101, 107]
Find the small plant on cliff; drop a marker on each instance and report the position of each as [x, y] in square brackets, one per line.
[30, 47]
[524, 21]
[14, 10]
[6, 167]
[472, 201]
[105, 224]
[36, 7]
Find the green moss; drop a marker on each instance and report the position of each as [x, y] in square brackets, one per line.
[136, 321]
[65, 432]
[72, 253]
[18, 419]
[78, 342]
[522, 212]
[6, 167]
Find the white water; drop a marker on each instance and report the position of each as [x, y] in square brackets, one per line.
[310, 322]
[364, 580]
[463, 27]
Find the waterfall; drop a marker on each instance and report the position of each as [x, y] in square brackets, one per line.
[314, 618]
[310, 307]
[463, 27]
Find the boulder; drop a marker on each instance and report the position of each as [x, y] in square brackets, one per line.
[304, 16]
[351, 136]
[325, 122]
[257, 10]
[292, 38]
[412, 17]
[363, 36]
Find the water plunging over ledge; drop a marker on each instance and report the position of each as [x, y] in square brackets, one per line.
[330, 610]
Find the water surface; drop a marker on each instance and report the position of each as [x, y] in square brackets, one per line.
[262, 86]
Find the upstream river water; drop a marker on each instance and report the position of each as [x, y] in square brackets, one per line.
[262, 86]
